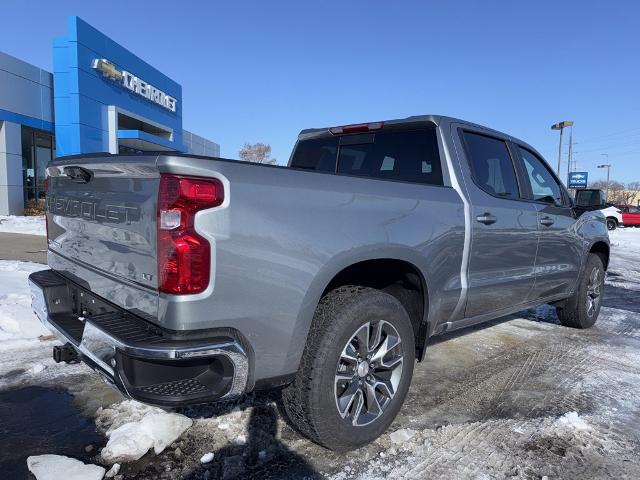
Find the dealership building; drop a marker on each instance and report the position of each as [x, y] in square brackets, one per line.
[99, 98]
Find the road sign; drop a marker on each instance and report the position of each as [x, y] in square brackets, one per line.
[577, 180]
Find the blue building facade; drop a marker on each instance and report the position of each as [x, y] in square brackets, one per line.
[100, 98]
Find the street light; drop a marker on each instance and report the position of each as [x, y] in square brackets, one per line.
[561, 126]
[608, 167]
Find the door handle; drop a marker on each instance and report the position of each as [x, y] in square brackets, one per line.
[486, 218]
[546, 221]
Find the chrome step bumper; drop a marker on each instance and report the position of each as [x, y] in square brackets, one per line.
[140, 359]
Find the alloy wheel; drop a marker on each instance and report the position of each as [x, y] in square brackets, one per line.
[368, 372]
[594, 290]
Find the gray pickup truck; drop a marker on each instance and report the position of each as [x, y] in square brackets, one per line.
[186, 279]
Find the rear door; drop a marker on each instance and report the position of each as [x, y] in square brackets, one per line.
[504, 229]
[560, 248]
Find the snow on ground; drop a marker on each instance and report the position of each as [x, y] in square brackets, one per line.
[625, 239]
[17, 321]
[520, 397]
[33, 225]
[573, 420]
[56, 467]
[136, 428]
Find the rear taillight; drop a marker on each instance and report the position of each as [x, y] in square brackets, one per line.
[184, 256]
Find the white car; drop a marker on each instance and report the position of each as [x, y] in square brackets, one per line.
[614, 217]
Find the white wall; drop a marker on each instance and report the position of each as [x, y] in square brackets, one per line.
[11, 193]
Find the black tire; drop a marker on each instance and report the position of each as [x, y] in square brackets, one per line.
[612, 223]
[577, 311]
[311, 401]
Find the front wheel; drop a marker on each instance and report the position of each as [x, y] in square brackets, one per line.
[583, 308]
[612, 224]
[355, 370]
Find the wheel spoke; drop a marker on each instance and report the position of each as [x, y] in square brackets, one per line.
[377, 336]
[343, 377]
[347, 398]
[384, 386]
[373, 406]
[358, 408]
[349, 354]
[362, 336]
[389, 343]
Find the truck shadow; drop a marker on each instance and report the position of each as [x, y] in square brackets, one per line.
[263, 455]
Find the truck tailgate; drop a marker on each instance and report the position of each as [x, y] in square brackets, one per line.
[101, 218]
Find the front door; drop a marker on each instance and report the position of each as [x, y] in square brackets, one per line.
[559, 248]
[504, 228]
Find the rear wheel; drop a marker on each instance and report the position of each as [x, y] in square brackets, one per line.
[355, 371]
[583, 308]
[612, 223]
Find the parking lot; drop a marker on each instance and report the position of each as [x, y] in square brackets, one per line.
[520, 397]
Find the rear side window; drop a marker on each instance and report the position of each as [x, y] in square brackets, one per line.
[316, 154]
[407, 155]
[491, 165]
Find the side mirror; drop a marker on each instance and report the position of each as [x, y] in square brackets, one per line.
[590, 199]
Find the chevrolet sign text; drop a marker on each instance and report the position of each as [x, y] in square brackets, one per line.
[135, 84]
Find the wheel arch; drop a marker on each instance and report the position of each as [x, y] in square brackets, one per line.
[601, 249]
[362, 267]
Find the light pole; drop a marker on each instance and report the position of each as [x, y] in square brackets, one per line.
[608, 167]
[561, 126]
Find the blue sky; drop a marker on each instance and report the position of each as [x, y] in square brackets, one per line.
[262, 71]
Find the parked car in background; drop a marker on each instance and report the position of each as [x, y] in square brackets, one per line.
[630, 215]
[614, 217]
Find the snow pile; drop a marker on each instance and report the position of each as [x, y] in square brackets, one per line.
[113, 471]
[136, 428]
[402, 435]
[207, 457]
[55, 467]
[17, 321]
[20, 224]
[573, 420]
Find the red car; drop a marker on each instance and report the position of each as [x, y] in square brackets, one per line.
[630, 215]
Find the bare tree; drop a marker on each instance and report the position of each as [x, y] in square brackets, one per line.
[619, 194]
[257, 153]
[600, 184]
[634, 186]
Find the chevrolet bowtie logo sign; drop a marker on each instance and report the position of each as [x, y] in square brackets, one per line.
[107, 69]
[134, 84]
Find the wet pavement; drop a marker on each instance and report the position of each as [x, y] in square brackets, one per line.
[37, 420]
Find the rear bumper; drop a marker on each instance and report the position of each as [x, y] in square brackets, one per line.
[141, 360]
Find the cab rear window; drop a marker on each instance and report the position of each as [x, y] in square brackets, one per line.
[405, 155]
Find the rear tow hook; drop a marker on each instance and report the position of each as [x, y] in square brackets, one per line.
[65, 353]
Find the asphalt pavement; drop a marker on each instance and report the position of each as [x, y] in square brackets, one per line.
[28, 248]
